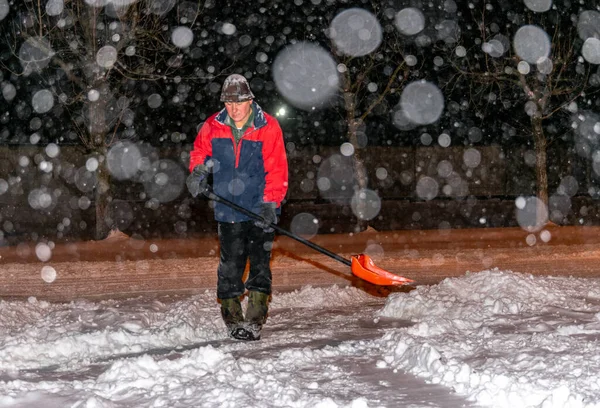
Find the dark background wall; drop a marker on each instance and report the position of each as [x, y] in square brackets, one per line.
[56, 202]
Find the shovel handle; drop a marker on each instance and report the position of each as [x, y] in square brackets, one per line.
[210, 194]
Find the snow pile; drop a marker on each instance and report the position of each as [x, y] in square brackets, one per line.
[308, 296]
[39, 334]
[117, 235]
[503, 339]
[175, 352]
[499, 339]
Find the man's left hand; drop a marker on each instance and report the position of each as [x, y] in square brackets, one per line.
[197, 181]
[267, 212]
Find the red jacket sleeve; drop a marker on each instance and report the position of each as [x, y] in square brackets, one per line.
[202, 146]
[276, 166]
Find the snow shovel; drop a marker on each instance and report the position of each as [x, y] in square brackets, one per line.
[361, 265]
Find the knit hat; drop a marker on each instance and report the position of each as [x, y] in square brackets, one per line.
[236, 89]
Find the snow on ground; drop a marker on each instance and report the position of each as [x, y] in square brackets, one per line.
[493, 338]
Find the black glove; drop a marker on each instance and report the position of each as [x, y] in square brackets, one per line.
[267, 212]
[197, 181]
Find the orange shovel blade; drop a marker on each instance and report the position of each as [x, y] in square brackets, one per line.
[364, 267]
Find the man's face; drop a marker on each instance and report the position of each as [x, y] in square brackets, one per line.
[239, 111]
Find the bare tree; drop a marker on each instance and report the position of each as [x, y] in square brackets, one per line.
[367, 79]
[359, 103]
[91, 55]
[540, 73]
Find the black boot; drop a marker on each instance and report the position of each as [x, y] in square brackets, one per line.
[231, 311]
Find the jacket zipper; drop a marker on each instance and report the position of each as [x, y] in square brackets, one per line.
[236, 149]
[236, 152]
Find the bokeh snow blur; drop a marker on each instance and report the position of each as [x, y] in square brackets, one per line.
[418, 103]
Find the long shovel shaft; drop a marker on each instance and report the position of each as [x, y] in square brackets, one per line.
[361, 265]
[277, 228]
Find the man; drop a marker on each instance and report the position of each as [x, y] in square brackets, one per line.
[243, 148]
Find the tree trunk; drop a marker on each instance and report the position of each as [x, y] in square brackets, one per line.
[541, 159]
[353, 124]
[102, 198]
[360, 173]
[99, 124]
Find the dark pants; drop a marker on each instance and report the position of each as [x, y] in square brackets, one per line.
[240, 242]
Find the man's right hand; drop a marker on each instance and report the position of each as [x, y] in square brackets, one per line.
[197, 181]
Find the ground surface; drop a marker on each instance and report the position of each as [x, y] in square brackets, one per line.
[152, 334]
[121, 266]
